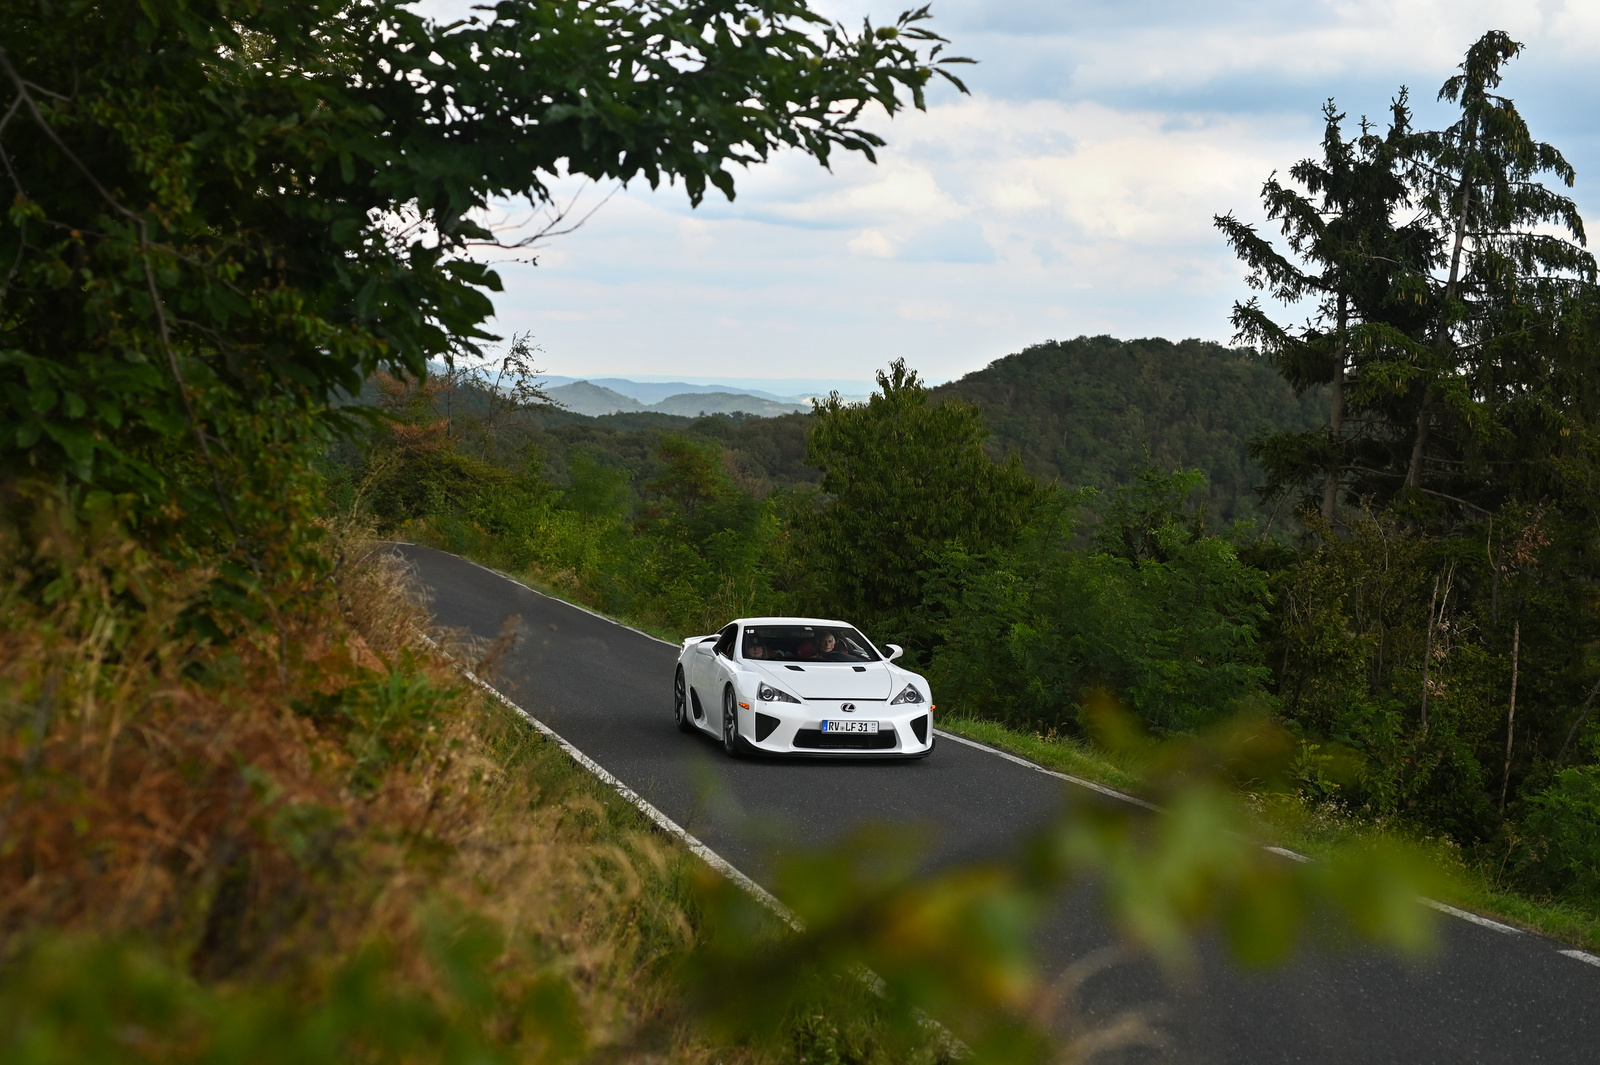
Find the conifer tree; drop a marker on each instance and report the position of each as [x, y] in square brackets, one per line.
[1504, 307]
[1451, 326]
[1358, 268]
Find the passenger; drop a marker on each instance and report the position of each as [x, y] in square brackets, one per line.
[830, 649]
[754, 648]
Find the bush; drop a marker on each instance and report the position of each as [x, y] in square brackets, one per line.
[1563, 831]
[1161, 614]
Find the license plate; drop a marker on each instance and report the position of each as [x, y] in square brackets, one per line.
[850, 726]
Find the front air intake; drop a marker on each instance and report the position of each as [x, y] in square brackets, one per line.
[765, 723]
[920, 728]
[817, 740]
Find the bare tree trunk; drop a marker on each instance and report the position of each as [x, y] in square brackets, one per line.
[1434, 620]
[1427, 652]
[1442, 336]
[1511, 711]
[1494, 582]
[1330, 487]
[1419, 443]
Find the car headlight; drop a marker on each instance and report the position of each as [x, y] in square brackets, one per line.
[767, 693]
[910, 695]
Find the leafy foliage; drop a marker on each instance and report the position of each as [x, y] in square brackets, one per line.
[903, 478]
[1462, 336]
[1564, 822]
[1159, 612]
[223, 213]
[1437, 622]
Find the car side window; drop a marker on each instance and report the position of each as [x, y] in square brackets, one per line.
[725, 641]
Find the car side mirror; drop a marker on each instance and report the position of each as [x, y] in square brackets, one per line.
[895, 651]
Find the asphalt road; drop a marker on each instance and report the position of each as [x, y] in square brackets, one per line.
[1486, 996]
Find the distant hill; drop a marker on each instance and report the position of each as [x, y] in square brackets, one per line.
[581, 397]
[1089, 411]
[588, 398]
[783, 389]
[693, 404]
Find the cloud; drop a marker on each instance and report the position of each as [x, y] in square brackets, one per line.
[1073, 192]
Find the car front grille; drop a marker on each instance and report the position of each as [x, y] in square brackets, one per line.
[816, 739]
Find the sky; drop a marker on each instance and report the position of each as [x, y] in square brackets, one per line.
[1070, 193]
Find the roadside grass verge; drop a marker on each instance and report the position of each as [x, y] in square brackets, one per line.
[314, 842]
[1065, 754]
[1316, 831]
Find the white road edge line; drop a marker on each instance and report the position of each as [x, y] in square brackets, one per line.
[767, 899]
[1467, 915]
[1036, 767]
[662, 821]
[575, 606]
[1284, 852]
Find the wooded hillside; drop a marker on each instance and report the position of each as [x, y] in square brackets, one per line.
[1097, 410]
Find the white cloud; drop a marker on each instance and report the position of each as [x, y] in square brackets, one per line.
[872, 244]
[1072, 193]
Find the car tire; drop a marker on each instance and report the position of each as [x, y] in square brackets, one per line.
[680, 702]
[732, 742]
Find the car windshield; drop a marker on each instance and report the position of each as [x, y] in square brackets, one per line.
[806, 643]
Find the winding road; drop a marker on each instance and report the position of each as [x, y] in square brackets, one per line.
[1491, 994]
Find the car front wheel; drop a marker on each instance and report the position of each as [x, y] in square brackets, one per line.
[680, 702]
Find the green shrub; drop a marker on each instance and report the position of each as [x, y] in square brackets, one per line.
[1563, 831]
[1160, 613]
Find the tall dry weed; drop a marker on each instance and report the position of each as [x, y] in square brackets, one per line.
[268, 807]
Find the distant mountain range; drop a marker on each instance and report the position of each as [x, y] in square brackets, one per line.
[594, 398]
[790, 390]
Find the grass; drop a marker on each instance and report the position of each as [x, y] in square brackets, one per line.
[1288, 822]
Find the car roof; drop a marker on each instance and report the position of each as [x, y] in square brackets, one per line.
[791, 621]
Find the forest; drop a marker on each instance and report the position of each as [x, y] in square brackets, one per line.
[1378, 526]
[252, 809]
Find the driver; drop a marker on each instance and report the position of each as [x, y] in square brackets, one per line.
[754, 648]
[829, 647]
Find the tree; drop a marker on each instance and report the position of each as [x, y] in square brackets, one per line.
[1361, 268]
[1457, 340]
[223, 213]
[904, 477]
[1503, 312]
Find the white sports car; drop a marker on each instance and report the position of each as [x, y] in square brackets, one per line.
[801, 686]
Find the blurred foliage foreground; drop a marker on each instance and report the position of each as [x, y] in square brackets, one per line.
[313, 842]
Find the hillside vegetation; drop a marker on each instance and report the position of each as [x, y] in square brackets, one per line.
[1096, 411]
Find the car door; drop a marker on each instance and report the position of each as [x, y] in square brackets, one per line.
[719, 670]
[700, 671]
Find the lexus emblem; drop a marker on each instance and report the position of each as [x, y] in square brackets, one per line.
[848, 708]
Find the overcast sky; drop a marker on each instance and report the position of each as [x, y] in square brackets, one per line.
[1071, 193]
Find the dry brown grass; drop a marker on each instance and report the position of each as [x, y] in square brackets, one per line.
[158, 784]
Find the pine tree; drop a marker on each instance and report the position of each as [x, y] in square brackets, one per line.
[1504, 309]
[1360, 271]
[1452, 327]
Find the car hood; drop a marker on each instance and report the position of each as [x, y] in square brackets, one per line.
[829, 681]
